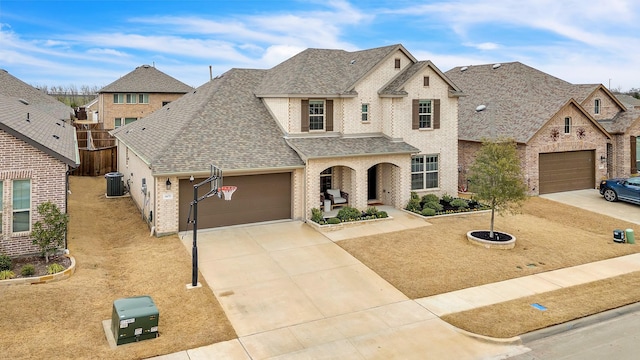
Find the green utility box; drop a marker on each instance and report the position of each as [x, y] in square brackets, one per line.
[631, 239]
[134, 319]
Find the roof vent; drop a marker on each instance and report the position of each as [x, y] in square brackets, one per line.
[495, 66]
[56, 137]
[28, 119]
[352, 61]
[481, 107]
[464, 68]
[23, 101]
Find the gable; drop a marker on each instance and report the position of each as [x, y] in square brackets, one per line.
[579, 126]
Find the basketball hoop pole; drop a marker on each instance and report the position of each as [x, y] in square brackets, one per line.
[216, 174]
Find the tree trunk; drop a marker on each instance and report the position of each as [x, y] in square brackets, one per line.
[493, 211]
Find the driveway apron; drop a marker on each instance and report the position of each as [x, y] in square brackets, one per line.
[290, 292]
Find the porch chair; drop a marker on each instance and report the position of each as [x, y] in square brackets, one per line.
[338, 197]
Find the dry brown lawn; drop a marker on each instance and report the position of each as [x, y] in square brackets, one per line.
[438, 258]
[115, 258]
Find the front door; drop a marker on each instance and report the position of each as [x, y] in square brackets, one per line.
[372, 181]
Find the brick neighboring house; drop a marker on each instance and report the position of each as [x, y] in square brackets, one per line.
[624, 127]
[376, 124]
[557, 125]
[137, 94]
[39, 147]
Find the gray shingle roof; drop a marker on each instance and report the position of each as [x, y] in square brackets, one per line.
[396, 86]
[14, 87]
[519, 100]
[325, 147]
[322, 71]
[42, 130]
[628, 100]
[221, 123]
[621, 122]
[147, 79]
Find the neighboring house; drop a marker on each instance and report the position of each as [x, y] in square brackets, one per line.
[38, 148]
[136, 95]
[556, 124]
[376, 124]
[90, 111]
[625, 131]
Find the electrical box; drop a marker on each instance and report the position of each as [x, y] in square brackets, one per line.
[134, 319]
[618, 236]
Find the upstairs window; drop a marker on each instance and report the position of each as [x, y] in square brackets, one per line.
[424, 172]
[21, 200]
[567, 125]
[397, 64]
[143, 98]
[365, 112]
[118, 98]
[316, 114]
[425, 81]
[596, 106]
[131, 99]
[424, 114]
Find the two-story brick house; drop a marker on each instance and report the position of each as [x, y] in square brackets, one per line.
[557, 125]
[376, 124]
[38, 148]
[136, 95]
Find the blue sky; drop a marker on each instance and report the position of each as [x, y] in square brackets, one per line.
[91, 42]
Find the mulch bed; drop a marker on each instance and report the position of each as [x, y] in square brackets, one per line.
[39, 264]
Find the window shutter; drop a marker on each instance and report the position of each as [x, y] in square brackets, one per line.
[436, 113]
[304, 116]
[634, 164]
[415, 121]
[329, 115]
[425, 81]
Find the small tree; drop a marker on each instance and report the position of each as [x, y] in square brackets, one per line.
[49, 232]
[497, 177]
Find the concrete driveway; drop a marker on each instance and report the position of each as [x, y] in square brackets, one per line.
[590, 199]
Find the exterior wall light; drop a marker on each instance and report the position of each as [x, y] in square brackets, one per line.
[168, 184]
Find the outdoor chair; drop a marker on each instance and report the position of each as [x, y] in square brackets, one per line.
[338, 197]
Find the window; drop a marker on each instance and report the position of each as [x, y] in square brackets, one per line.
[596, 106]
[131, 99]
[123, 121]
[425, 81]
[21, 205]
[397, 64]
[129, 120]
[365, 112]
[325, 180]
[424, 114]
[316, 114]
[424, 172]
[567, 125]
[143, 98]
[118, 98]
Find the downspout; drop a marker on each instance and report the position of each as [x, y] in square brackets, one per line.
[66, 206]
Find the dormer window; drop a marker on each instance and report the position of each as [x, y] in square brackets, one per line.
[397, 64]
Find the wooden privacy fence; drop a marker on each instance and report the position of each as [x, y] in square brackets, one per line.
[97, 162]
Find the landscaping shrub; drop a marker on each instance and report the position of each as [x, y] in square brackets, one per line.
[459, 203]
[54, 268]
[434, 205]
[447, 198]
[316, 215]
[371, 210]
[428, 212]
[6, 275]
[333, 221]
[430, 198]
[414, 205]
[28, 270]
[5, 262]
[382, 215]
[349, 213]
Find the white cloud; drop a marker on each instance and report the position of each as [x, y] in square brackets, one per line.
[110, 52]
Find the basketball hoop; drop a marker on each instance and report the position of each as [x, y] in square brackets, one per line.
[227, 191]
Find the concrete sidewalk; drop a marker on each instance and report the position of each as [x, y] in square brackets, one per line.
[291, 292]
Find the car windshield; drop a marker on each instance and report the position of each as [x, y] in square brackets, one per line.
[634, 181]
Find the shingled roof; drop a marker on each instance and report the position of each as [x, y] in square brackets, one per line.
[222, 123]
[40, 129]
[323, 72]
[326, 147]
[147, 79]
[11, 86]
[518, 100]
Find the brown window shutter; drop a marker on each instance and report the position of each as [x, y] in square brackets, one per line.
[304, 116]
[436, 113]
[329, 115]
[415, 122]
[634, 164]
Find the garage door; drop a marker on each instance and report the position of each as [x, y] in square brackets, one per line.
[565, 171]
[258, 198]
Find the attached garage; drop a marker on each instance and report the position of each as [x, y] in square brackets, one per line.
[258, 198]
[566, 171]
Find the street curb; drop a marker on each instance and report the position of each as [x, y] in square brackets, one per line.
[579, 323]
[516, 340]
